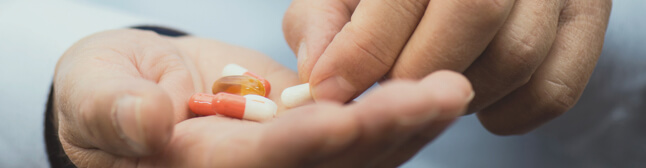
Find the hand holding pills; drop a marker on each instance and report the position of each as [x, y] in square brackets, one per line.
[528, 60]
[123, 99]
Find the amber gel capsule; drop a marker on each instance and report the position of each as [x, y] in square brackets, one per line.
[248, 107]
[235, 69]
[240, 85]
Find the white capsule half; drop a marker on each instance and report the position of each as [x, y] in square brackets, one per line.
[258, 108]
[233, 69]
[297, 95]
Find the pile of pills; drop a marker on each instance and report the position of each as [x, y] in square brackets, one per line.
[243, 95]
[237, 94]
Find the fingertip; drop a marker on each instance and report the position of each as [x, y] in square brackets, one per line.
[452, 90]
[335, 88]
[304, 67]
[157, 119]
[142, 120]
[451, 80]
[323, 129]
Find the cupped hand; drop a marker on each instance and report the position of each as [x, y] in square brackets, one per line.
[121, 101]
[528, 60]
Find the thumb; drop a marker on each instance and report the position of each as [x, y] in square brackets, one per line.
[128, 117]
[111, 101]
[309, 27]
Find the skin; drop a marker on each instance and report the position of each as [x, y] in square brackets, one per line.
[528, 60]
[121, 101]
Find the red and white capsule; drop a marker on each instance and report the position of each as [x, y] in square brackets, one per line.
[235, 69]
[248, 107]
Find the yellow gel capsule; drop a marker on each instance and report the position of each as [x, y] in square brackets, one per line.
[239, 84]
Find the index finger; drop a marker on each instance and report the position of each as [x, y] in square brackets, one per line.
[365, 49]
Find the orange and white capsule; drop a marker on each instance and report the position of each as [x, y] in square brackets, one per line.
[235, 69]
[248, 107]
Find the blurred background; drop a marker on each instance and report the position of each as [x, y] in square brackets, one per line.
[607, 128]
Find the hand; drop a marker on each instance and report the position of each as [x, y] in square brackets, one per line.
[528, 61]
[120, 100]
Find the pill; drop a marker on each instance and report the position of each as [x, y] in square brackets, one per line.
[239, 84]
[235, 69]
[248, 107]
[296, 95]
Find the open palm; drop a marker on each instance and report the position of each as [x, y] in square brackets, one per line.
[121, 101]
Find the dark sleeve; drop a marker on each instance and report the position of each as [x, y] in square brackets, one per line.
[55, 153]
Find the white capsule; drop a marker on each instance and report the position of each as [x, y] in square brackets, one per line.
[297, 95]
[233, 69]
[258, 108]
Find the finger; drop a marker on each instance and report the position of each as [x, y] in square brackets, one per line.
[559, 81]
[451, 36]
[365, 49]
[322, 130]
[110, 102]
[309, 27]
[310, 135]
[514, 54]
[407, 150]
[126, 116]
[392, 115]
[291, 140]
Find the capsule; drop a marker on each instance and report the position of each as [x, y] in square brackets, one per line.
[240, 85]
[235, 69]
[297, 95]
[248, 107]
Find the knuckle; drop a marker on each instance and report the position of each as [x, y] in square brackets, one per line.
[522, 60]
[408, 8]
[526, 50]
[372, 46]
[518, 75]
[496, 6]
[488, 11]
[561, 99]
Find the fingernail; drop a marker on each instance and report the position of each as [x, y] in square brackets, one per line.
[126, 114]
[471, 96]
[467, 103]
[335, 88]
[301, 62]
[302, 52]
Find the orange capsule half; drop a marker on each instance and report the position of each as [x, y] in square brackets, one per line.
[249, 107]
